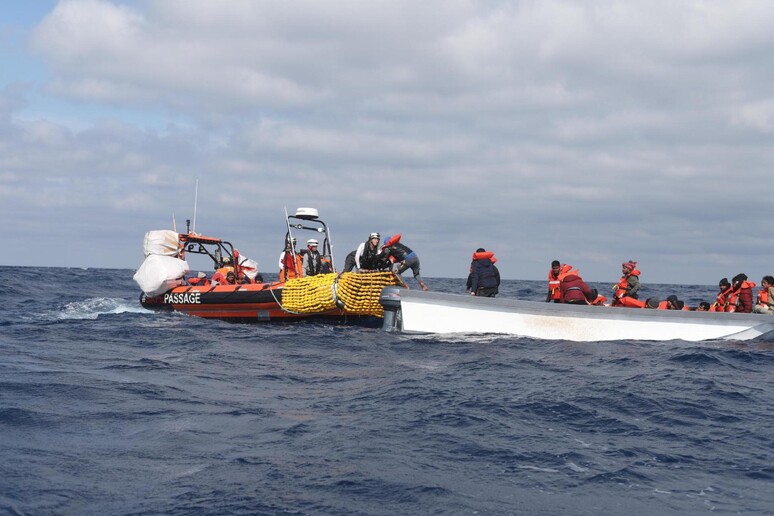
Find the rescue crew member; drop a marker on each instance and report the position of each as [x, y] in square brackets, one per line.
[367, 254]
[290, 262]
[740, 299]
[765, 304]
[555, 275]
[349, 263]
[484, 277]
[396, 252]
[628, 285]
[312, 261]
[573, 290]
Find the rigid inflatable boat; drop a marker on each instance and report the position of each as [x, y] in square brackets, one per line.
[165, 286]
[431, 312]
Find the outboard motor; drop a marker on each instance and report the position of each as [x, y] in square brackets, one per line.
[390, 301]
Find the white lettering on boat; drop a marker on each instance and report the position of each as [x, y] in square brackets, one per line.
[183, 298]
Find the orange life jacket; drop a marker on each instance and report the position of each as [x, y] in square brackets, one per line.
[554, 283]
[289, 270]
[600, 300]
[733, 295]
[484, 254]
[620, 293]
[629, 302]
[763, 296]
[393, 240]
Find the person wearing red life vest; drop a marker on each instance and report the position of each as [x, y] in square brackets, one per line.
[573, 290]
[555, 275]
[290, 262]
[721, 299]
[740, 298]
[765, 304]
[628, 285]
[397, 252]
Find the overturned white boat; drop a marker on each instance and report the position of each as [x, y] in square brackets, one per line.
[432, 312]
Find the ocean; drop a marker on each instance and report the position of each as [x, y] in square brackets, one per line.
[106, 408]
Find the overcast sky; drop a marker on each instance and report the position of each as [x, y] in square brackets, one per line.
[590, 132]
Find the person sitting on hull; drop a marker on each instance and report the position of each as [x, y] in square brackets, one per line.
[311, 263]
[396, 252]
[740, 298]
[555, 275]
[765, 304]
[573, 290]
[721, 299]
[627, 287]
[703, 307]
[484, 277]
[367, 255]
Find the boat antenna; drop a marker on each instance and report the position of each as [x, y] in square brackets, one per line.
[290, 240]
[196, 201]
[174, 223]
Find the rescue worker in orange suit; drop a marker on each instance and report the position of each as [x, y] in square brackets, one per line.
[396, 252]
[555, 275]
[628, 285]
[573, 290]
[484, 277]
[740, 299]
[765, 304]
[290, 262]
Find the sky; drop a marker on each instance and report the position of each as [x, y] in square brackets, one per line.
[592, 132]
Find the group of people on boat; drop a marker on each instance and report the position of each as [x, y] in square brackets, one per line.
[391, 255]
[566, 286]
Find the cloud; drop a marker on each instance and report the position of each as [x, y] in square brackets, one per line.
[591, 132]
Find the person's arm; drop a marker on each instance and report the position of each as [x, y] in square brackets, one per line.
[358, 254]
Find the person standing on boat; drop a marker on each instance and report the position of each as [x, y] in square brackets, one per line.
[312, 261]
[573, 290]
[555, 275]
[765, 304]
[290, 262]
[396, 252]
[484, 277]
[628, 285]
[367, 254]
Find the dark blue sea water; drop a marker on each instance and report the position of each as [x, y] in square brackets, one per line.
[106, 408]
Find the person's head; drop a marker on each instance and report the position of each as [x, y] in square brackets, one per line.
[231, 277]
[652, 302]
[556, 267]
[723, 284]
[628, 267]
[312, 244]
[672, 302]
[703, 307]
[480, 250]
[373, 239]
[767, 281]
[242, 277]
[737, 280]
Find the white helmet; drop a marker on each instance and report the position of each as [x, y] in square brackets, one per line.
[311, 242]
[374, 235]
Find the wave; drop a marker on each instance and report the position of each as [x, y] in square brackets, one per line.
[94, 307]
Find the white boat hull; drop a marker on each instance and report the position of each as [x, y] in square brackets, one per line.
[432, 312]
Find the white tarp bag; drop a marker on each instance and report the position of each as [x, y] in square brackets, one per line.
[158, 274]
[161, 241]
[250, 267]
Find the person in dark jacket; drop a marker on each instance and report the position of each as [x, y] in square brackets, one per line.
[396, 252]
[575, 291]
[484, 278]
[741, 289]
